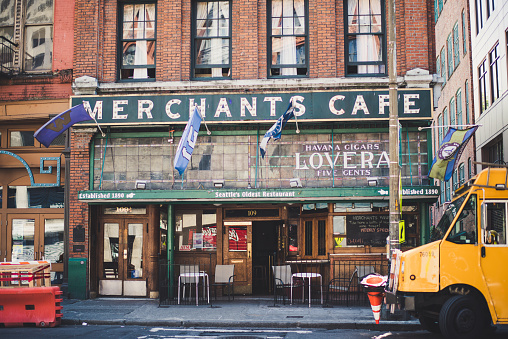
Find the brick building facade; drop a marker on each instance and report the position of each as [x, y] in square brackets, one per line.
[455, 105]
[35, 84]
[140, 68]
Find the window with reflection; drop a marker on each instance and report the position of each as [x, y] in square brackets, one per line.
[196, 230]
[35, 197]
[137, 44]
[212, 39]
[288, 45]
[21, 138]
[365, 37]
[35, 21]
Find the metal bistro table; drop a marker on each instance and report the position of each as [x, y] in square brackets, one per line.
[308, 276]
[196, 276]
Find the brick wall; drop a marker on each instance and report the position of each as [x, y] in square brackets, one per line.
[96, 39]
[79, 180]
[64, 31]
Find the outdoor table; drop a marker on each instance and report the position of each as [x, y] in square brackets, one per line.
[308, 276]
[197, 276]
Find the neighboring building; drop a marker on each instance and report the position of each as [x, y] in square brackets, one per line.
[35, 83]
[489, 40]
[455, 104]
[141, 67]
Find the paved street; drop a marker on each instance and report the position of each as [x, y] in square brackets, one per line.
[146, 332]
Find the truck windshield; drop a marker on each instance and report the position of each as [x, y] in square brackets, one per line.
[438, 232]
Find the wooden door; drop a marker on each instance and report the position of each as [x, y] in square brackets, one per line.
[238, 251]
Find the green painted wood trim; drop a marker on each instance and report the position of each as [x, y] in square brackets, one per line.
[430, 193]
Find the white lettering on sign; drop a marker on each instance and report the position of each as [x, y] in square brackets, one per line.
[201, 107]
[273, 102]
[97, 110]
[408, 103]
[117, 109]
[223, 108]
[146, 110]
[244, 104]
[299, 108]
[384, 101]
[331, 105]
[360, 105]
[168, 108]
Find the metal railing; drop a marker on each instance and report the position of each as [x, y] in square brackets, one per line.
[344, 287]
[7, 51]
[292, 282]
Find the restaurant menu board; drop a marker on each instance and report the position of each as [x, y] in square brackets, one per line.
[367, 229]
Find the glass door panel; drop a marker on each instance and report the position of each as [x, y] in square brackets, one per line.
[23, 240]
[54, 247]
[111, 250]
[135, 250]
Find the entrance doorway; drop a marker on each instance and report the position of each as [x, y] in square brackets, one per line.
[37, 237]
[264, 249]
[121, 259]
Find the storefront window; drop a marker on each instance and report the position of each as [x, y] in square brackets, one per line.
[35, 197]
[196, 231]
[320, 160]
[293, 238]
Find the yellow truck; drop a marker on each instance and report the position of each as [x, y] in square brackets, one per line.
[458, 283]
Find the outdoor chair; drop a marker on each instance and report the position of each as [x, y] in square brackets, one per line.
[187, 280]
[224, 277]
[282, 282]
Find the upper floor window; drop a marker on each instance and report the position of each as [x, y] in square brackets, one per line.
[33, 27]
[449, 43]
[288, 32]
[443, 65]
[365, 38]
[137, 43]
[464, 32]
[479, 15]
[459, 106]
[452, 112]
[483, 88]
[456, 46]
[494, 73]
[211, 43]
[466, 91]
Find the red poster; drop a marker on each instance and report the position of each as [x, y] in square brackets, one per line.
[210, 237]
[238, 238]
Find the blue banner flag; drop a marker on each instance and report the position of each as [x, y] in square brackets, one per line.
[59, 124]
[187, 142]
[276, 130]
[449, 152]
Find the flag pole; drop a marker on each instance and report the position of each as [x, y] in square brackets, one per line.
[420, 128]
[203, 117]
[100, 129]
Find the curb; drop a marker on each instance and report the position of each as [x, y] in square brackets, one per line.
[382, 326]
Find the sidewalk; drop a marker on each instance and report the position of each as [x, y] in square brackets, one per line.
[242, 312]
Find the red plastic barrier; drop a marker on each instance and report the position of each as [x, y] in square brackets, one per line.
[30, 305]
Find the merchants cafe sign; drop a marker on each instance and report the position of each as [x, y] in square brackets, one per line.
[242, 108]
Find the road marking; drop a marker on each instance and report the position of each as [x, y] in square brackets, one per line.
[157, 329]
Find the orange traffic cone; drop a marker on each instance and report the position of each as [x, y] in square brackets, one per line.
[376, 299]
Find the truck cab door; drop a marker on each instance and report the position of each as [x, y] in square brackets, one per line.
[494, 254]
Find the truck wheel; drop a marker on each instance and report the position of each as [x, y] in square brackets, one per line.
[429, 324]
[462, 317]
